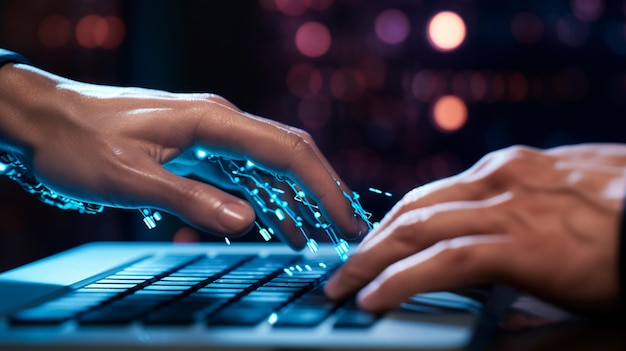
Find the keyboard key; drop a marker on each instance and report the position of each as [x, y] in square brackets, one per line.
[94, 290]
[301, 317]
[121, 281]
[166, 287]
[185, 311]
[130, 276]
[41, 316]
[352, 317]
[236, 281]
[239, 316]
[110, 316]
[159, 292]
[110, 286]
[181, 279]
[228, 286]
[220, 290]
[176, 283]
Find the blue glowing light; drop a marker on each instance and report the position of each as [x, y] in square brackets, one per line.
[312, 244]
[279, 214]
[150, 223]
[201, 154]
[265, 234]
[273, 318]
[150, 217]
[380, 192]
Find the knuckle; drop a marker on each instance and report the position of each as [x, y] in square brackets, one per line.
[461, 253]
[454, 254]
[298, 144]
[404, 226]
[390, 280]
[192, 192]
[511, 162]
[218, 99]
[213, 97]
[301, 133]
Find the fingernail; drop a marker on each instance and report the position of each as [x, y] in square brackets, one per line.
[235, 216]
[366, 295]
[361, 227]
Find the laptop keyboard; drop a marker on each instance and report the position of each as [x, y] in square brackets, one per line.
[226, 290]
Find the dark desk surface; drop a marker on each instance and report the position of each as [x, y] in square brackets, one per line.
[531, 325]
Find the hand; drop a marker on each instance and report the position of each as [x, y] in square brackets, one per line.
[108, 145]
[543, 221]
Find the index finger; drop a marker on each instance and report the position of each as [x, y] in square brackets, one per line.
[277, 149]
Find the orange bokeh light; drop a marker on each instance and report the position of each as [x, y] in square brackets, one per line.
[446, 31]
[449, 113]
[96, 31]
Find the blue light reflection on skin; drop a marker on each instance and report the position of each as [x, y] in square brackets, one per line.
[252, 180]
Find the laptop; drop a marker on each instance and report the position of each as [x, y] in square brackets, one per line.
[211, 296]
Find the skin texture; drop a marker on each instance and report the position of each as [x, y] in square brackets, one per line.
[109, 145]
[544, 221]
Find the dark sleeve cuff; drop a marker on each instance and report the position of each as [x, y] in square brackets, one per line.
[7, 56]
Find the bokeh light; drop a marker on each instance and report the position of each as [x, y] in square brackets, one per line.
[315, 112]
[478, 86]
[446, 31]
[461, 84]
[116, 33]
[527, 28]
[321, 4]
[95, 31]
[313, 39]
[375, 72]
[615, 37]
[392, 26]
[572, 31]
[427, 84]
[571, 84]
[304, 80]
[293, 7]
[518, 87]
[449, 113]
[55, 31]
[268, 5]
[498, 87]
[587, 10]
[347, 84]
[89, 30]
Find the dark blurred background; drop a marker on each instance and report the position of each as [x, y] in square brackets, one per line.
[396, 93]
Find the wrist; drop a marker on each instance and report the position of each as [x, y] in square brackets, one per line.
[26, 99]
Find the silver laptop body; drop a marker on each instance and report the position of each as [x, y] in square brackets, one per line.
[38, 283]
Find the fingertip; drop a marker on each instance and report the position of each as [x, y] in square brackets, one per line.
[367, 297]
[362, 228]
[235, 217]
[332, 287]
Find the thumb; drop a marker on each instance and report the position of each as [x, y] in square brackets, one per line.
[199, 204]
